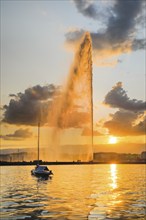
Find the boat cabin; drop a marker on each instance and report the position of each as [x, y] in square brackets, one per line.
[41, 168]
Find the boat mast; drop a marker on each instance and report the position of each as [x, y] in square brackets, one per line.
[38, 140]
[92, 141]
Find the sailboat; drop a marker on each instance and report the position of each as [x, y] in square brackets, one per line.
[40, 170]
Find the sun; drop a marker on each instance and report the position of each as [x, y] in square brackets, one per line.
[112, 140]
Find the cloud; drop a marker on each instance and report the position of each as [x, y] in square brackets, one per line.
[130, 118]
[28, 107]
[123, 123]
[122, 24]
[94, 9]
[87, 8]
[117, 98]
[119, 35]
[138, 44]
[17, 135]
[44, 103]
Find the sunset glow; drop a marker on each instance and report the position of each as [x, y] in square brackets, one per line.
[112, 140]
[75, 77]
[73, 109]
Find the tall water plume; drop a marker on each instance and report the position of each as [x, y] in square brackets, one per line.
[74, 108]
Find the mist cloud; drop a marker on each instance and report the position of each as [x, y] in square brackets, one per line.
[117, 98]
[73, 119]
[19, 134]
[74, 110]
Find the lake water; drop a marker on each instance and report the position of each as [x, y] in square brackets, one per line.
[74, 192]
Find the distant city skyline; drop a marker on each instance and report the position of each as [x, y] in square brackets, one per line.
[100, 157]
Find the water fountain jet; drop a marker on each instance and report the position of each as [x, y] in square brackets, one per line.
[74, 109]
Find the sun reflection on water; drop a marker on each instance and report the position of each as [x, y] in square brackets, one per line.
[113, 171]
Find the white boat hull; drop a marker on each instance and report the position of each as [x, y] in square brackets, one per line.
[44, 173]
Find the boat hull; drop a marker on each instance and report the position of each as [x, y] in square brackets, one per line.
[41, 174]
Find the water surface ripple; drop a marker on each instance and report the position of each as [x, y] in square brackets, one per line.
[79, 192]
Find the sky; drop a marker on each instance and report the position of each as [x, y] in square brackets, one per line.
[39, 40]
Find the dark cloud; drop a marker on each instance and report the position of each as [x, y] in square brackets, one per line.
[138, 44]
[123, 123]
[94, 9]
[12, 95]
[119, 36]
[17, 135]
[28, 107]
[130, 120]
[117, 98]
[122, 24]
[87, 8]
[44, 103]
